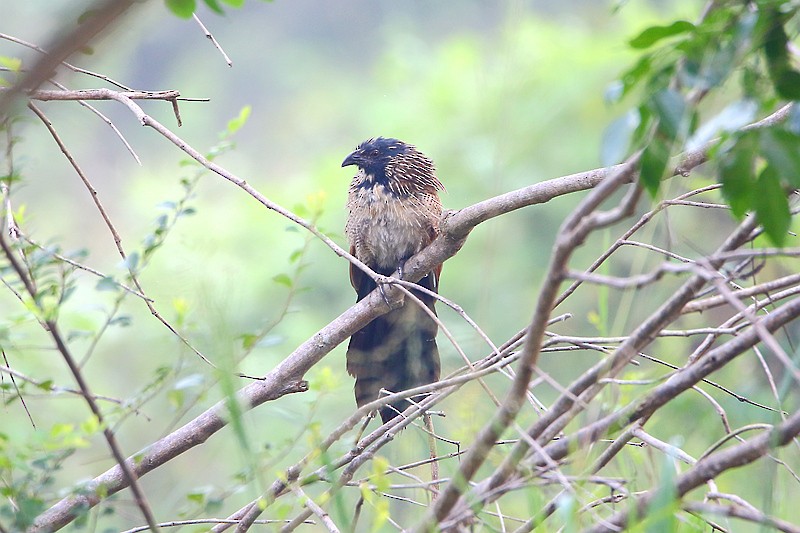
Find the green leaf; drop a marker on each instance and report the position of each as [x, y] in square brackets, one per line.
[785, 79]
[234, 3]
[788, 84]
[670, 108]
[636, 73]
[793, 120]
[248, 340]
[614, 92]
[653, 34]
[86, 15]
[283, 279]
[214, 6]
[131, 262]
[236, 123]
[91, 425]
[729, 119]
[182, 8]
[661, 515]
[775, 39]
[176, 398]
[736, 171]
[297, 254]
[122, 321]
[13, 64]
[653, 165]
[782, 150]
[617, 138]
[107, 283]
[189, 382]
[771, 206]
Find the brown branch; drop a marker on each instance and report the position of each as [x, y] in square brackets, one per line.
[747, 514]
[285, 378]
[100, 94]
[586, 386]
[211, 38]
[103, 14]
[711, 466]
[572, 232]
[761, 288]
[681, 381]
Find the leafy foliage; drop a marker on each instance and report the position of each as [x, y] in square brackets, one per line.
[499, 112]
[681, 63]
[186, 8]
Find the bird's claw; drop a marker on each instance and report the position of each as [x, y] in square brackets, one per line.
[383, 293]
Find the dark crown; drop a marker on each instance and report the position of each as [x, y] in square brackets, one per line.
[373, 154]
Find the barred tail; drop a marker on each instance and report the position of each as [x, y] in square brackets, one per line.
[396, 351]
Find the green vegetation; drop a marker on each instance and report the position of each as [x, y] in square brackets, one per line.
[207, 288]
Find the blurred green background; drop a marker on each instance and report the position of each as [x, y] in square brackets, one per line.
[500, 95]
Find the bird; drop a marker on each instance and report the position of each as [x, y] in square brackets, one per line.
[393, 212]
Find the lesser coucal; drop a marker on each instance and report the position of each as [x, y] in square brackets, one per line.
[394, 212]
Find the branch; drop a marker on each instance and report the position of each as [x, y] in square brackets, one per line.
[103, 14]
[52, 328]
[710, 467]
[100, 94]
[287, 376]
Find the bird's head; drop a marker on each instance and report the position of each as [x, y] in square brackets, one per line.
[393, 164]
[374, 154]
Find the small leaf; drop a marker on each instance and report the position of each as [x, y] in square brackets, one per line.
[107, 283]
[283, 279]
[181, 308]
[176, 398]
[736, 172]
[782, 150]
[122, 321]
[190, 381]
[636, 73]
[653, 165]
[236, 123]
[248, 340]
[182, 8]
[379, 466]
[731, 118]
[234, 3]
[214, 6]
[131, 262]
[272, 340]
[653, 34]
[793, 120]
[78, 334]
[91, 425]
[670, 108]
[614, 92]
[617, 138]
[788, 84]
[13, 64]
[785, 79]
[772, 207]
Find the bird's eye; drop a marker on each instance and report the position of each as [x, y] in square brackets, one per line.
[376, 151]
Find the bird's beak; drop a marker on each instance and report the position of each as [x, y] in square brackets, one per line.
[351, 159]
